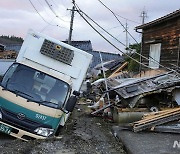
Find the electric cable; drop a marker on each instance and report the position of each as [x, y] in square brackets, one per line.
[107, 39]
[118, 20]
[41, 15]
[127, 19]
[121, 42]
[79, 10]
[132, 37]
[53, 11]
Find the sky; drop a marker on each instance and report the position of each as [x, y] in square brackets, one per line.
[17, 16]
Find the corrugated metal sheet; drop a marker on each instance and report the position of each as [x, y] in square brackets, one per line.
[133, 87]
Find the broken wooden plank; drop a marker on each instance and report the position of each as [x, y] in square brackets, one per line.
[118, 70]
[101, 109]
[158, 116]
[156, 122]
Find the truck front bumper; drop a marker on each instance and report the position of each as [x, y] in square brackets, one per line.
[21, 134]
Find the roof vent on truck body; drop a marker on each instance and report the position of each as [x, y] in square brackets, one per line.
[57, 52]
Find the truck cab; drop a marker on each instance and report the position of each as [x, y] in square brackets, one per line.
[39, 90]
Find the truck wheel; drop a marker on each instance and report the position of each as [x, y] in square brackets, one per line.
[58, 130]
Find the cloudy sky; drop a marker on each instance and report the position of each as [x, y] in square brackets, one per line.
[17, 16]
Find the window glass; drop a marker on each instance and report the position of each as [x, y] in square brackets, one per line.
[35, 86]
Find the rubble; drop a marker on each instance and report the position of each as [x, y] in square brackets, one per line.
[152, 120]
[137, 91]
[139, 103]
[173, 128]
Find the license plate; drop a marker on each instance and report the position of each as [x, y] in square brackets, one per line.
[5, 129]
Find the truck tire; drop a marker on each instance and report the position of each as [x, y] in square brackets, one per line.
[58, 130]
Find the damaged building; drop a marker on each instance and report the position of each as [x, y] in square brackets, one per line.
[161, 41]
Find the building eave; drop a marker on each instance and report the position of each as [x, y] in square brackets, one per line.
[160, 20]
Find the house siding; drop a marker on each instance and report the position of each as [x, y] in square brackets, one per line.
[167, 33]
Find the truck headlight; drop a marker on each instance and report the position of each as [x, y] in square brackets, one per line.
[44, 131]
[0, 115]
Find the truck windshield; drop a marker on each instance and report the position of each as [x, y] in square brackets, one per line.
[35, 86]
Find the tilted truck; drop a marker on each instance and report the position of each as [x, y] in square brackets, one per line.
[39, 91]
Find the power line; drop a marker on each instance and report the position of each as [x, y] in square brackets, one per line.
[46, 26]
[53, 2]
[43, 17]
[127, 19]
[116, 40]
[40, 14]
[118, 20]
[50, 6]
[105, 37]
[40, 2]
[53, 11]
[134, 39]
[102, 28]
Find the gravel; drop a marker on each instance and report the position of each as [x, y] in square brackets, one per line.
[82, 134]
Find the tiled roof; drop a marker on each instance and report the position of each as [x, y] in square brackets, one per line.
[83, 45]
[159, 20]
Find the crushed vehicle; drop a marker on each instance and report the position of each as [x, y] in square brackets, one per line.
[39, 91]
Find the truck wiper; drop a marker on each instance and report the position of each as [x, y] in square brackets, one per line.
[40, 101]
[17, 92]
[48, 102]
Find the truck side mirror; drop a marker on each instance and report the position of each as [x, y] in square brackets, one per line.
[1, 79]
[76, 93]
[71, 103]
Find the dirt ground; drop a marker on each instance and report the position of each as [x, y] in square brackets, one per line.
[82, 134]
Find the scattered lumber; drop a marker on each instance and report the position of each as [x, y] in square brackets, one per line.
[155, 119]
[102, 109]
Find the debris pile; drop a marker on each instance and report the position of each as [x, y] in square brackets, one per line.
[144, 103]
[150, 121]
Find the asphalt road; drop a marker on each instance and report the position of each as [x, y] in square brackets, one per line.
[149, 142]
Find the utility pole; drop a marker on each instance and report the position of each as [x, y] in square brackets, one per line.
[143, 16]
[127, 36]
[71, 23]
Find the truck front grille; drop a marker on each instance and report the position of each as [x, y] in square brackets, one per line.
[27, 124]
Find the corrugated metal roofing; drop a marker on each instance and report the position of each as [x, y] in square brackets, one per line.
[83, 45]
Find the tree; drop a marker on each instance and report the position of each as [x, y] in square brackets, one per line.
[12, 38]
[133, 66]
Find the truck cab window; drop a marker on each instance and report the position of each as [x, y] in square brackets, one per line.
[8, 74]
[35, 86]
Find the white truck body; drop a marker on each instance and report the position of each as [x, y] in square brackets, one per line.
[75, 72]
[39, 90]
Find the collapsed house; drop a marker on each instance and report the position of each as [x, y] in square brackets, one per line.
[151, 92]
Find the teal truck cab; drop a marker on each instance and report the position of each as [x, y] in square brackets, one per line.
[39, 91]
